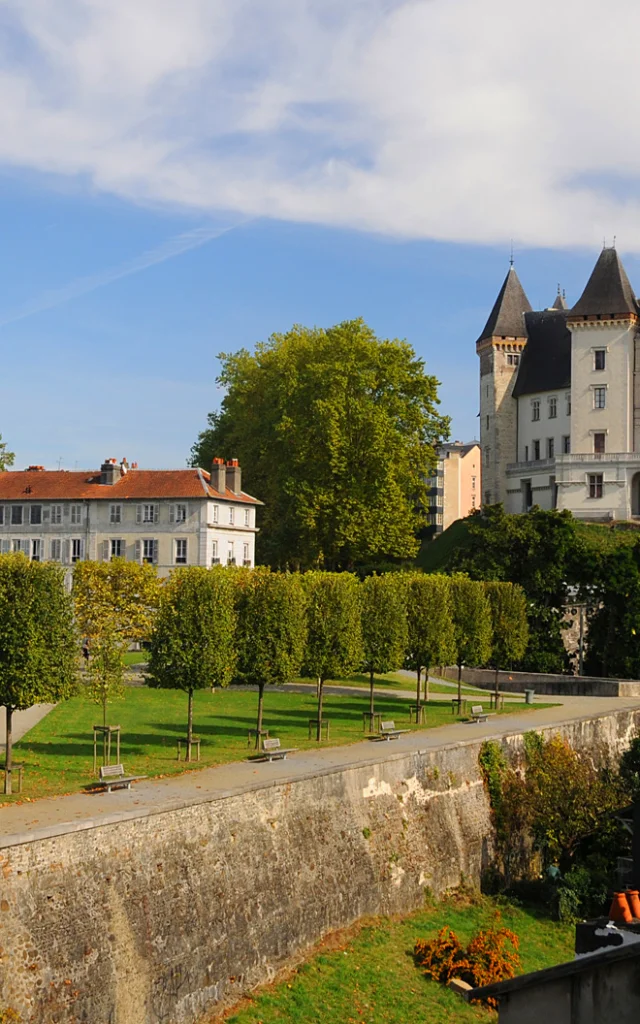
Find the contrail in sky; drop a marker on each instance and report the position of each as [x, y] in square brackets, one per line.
[173, 247]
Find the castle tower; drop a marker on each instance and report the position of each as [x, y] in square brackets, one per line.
[499, 348]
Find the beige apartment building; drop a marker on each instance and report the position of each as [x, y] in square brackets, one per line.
[456, 488]
[168, 518]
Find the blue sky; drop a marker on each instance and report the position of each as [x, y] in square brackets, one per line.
[180, 180]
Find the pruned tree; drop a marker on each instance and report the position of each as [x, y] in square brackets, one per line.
[38, 640]
[193, 644]
[7, 458]
[384, 626]
[509, 625]
[334, 640]
[115, 603]
[471, 618]
[431, 638]
[272, 630]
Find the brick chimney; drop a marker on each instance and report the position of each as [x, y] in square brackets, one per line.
[218, 476]
[234, 476]
[110, 472]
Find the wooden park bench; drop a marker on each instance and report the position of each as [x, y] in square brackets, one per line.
[388, 731]
[112, 776]
[271, 750]
[478, 714]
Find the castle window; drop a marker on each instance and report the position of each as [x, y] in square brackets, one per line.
[599, 359]
[513, 360]
[598, 444]
[566, 445]
[535, 409]
[551, 447]
[553, 408]
[536, 450]
[487, 422]
[599, 398]
[526, 453]
[568, 403]
[595, 485]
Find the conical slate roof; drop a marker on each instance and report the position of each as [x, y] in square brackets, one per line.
[608, 291]
[560, 302]
[507, 316]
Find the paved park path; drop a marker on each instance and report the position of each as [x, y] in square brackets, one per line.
[52, 816]
[22, 721]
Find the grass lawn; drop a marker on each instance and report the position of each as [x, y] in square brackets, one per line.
[136, 657]
[58, 751]
[397, 681]
[368, 975]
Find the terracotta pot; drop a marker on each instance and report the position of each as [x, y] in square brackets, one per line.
[619, 910]
[633, 899]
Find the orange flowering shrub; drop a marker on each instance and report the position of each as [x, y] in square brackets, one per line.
[492, 955]
[443, 958]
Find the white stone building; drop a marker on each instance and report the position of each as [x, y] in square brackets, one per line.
[166, 517]
[560, 399]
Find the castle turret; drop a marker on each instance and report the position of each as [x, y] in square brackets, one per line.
[499, 347]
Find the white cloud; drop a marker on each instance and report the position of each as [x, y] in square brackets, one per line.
[449, 119]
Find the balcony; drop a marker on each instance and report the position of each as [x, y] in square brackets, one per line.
[574, 459]
[533, 466]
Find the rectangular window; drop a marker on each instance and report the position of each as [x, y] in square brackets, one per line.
[599, 359]
[115, 514]
[595, 485]
[245, 554]
[247, 513]
[536, 450]
[76, 515]
[181, 514]
[181, 552]
[487, 422]
[232, 515]
[473, 483]
[16, 515]
[473, 501]
[568, 403]
[16, 545]
[535, 409]
[149, 514]
[117, 547]
[526, 453]
[76, 544]
[513, 360]
[553, 408]
[36, 550]
[566, 445]
[149, 549]
[598, 444]
[35, 515]
[214, 553]
[599, 398]
[231, 556]
[551, 447]
[1, 515]
[216, 513]
[56, 550]
[56, 515]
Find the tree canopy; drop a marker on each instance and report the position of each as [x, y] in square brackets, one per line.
[7, 458]
[431, 639]
[335, 430]
[384, 625]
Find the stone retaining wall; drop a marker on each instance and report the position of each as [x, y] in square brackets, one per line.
[159, 919]
[518, 682]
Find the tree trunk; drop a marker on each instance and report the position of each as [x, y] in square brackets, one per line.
[320, 694]
[190, 725]
[459, 686]
[497, 688]
[259, 723]
[8, 760]
[419, 678]
[371, 695]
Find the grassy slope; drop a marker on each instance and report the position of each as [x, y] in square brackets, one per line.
[58, 752]
[434, 555]
[371, 978]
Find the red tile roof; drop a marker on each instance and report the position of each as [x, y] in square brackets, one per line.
[137, 484]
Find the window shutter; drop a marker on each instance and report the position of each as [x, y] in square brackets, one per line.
[156, 513]
[6, 545]
[155, 551]
[138, 556]
[66, 546]
[81, 548]
[123, 548]
[46, 513]
[172, 513]
[106, 547]
[66, 511]
[138, 513]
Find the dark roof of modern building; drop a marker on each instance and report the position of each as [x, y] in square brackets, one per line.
[545, 364]
[136, 485]
[506, 319]
[608, 291]
[560, 301]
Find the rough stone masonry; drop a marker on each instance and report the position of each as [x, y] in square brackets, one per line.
[159, 919]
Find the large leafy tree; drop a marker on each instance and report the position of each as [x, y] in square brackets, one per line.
[38, 640]
[509, 624]
[471, 618]
[384, 626]
[431, 639]
[114, 603]
[334, 639]
[193, 644]
[540, 551]
[335, 430]
[272, 629]
[613, 639]
[7, 458]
